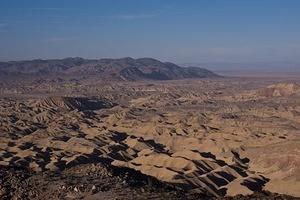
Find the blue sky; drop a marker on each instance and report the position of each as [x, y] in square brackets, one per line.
[172, 30]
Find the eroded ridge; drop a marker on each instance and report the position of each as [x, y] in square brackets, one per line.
[215, 142]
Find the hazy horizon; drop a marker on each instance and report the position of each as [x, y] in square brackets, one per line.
[271, 66]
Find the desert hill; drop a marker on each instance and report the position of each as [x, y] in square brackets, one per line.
[67, 137]
[107, 69]
[217, 138]
[79, 103]
[280, 90]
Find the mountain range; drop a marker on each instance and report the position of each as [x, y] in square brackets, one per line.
[128, 69]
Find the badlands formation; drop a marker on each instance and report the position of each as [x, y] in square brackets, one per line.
[174, 139]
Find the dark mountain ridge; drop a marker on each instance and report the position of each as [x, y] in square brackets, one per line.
[107, 69]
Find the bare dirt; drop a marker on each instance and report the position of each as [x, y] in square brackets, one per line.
[185, 139]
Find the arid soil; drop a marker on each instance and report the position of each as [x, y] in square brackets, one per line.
[184, 139]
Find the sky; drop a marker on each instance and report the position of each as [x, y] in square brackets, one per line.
[181, 31]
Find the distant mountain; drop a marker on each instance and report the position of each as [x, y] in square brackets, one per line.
[107, 69]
